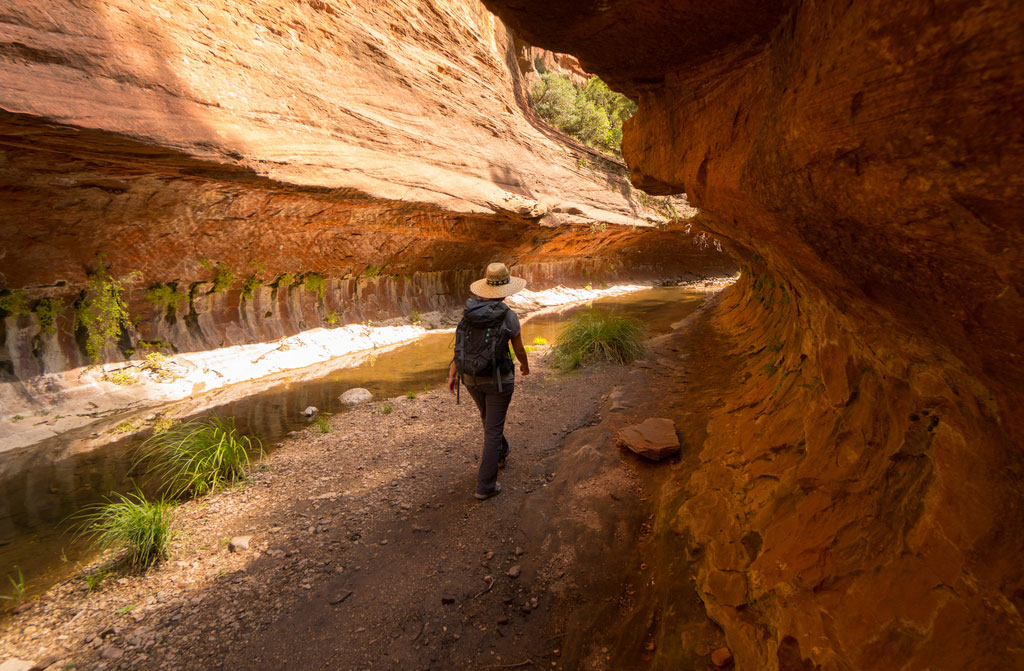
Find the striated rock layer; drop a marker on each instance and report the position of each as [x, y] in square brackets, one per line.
[349, 161]
[857, 498]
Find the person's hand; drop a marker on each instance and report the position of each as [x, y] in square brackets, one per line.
[452, 381]
[524, 369]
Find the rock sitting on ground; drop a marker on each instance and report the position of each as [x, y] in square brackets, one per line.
[310, 411]
[239, 543]
[721, 657]
[355, 396]
[17, 665]
[654, 438]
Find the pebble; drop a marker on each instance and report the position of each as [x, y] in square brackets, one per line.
[514, 571]
[110, 652]
[239, 543]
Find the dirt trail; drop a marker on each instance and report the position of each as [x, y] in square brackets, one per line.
[368, 551]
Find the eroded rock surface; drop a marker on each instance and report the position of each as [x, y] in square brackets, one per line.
[855, 503]
[277, 167]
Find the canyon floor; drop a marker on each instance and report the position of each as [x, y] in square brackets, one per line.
[368, 551]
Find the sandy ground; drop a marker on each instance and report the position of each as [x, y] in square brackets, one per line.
[367, 551]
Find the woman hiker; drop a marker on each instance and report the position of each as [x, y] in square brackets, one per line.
[482, 363]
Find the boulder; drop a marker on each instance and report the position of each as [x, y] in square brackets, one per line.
[654, 438]
[722, 657]
[310, 411]
[355, 396]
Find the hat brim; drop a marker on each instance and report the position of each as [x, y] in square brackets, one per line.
[484, 290]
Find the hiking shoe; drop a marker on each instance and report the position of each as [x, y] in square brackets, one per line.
[493, 492]
[501, 460]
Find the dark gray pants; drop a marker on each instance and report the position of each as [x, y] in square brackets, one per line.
[493, 407]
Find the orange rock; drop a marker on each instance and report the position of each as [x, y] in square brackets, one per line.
[654, 438]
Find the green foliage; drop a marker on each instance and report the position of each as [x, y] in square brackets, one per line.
[284, 280]
[17, 418]
[95, 579]
[14, 303]
[121, 377]
[224, 279]
[124, 610]
[315, 283]
[387, 409]
[414, 317]
[322, 424]
[102, 311]
[155, 344]
[540, 341]
[128, 426]
[595, 336]
[372, 271]
[166, 295]
[592, 114]
[46, 311]
[332, 318]
[131, 523]
[249, 287]
[199, 457]
[410, 395]
[18, 589]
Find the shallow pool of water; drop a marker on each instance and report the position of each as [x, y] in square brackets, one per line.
[42, 485]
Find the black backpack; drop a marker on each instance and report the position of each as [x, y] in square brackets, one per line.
[481, 342]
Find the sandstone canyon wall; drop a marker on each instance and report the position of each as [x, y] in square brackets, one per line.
[354, 161]
[857, 498]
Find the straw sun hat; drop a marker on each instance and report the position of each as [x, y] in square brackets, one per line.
[497, 283]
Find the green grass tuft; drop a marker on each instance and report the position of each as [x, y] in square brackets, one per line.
[598, 336]
[195, 458]
[132, 523]
[322, 424]
[18, 588]
[387, 409]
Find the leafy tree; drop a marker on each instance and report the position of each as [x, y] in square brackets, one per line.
[593, 114]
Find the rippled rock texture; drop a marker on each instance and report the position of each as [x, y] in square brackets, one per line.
[354, 161]
[859, 499]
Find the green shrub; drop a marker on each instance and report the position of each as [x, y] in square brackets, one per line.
[102, 311]
[224, 279]
[410, 395]
[199, 457]
[332, 318]
[249, 287]
[540, 341]
[284, 280]
[372, 271]
[166, 296]
[46, 311]
[131, 523]
[14, 303]
[315, 283]
[592, 114]
[595, 336]
[322, 424]
[387, 409]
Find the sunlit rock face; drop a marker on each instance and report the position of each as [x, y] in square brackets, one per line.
[859, 503]
[386, 147]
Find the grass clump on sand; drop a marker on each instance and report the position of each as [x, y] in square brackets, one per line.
[140, 527]
[598, 336]
[194, 458]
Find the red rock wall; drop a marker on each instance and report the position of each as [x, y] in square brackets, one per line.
[866, 158]
[387, 148]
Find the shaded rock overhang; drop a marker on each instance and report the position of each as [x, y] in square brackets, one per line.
[858, 489]
[873, 149]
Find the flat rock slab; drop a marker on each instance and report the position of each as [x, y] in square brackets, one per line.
[654, 438]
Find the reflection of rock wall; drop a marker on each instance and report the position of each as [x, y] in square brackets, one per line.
[866, 158]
